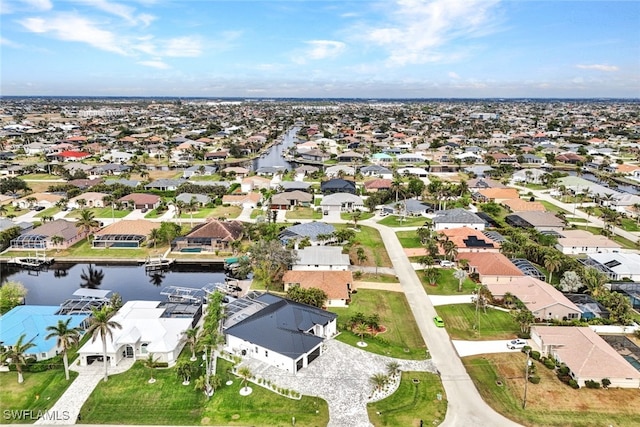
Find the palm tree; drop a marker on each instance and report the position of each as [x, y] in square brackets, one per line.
[245, 373]
[191, 336]
[56, 241]
[66, 337]
[393, 368]
[460, 275]
[361, 254]
[151, 363]
[552, 262]
[379, 381]
[17, 355]
[431, 274]
[87, 222]
[355, 216]
[184, 369]
[92, 278]
[155, 234]
[101, 326]
[361, 329]
[3, 210]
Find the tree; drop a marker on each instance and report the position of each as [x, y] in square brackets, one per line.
[17, 354]
[524, 318]
[552, 262]
[619, 306]
[594, 280]
[56, 241]
[155, 235]
[191, 336]
[184, 369]
[11, 295]
[379, 381]
[87, 222]
[311, 296]
[460, 275]
[393, 368]
[355, 217]
[101, 325]
[361, 329]
[245, 373]
[150, 363]
[431, 274]
[65, 337]
[270, 260]
[570, 282]
[361, 255]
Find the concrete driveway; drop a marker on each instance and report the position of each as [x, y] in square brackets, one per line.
[470, 348]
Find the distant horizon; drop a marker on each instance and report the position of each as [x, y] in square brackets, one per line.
[321, 49]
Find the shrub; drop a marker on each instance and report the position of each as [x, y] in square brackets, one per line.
[563, 370]
[535, 355]
[574, 384]
[592, 384]
[534, 379]
[606, 382]
[525, 349]
[549, 363]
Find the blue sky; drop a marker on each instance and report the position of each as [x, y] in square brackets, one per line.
[299, 48]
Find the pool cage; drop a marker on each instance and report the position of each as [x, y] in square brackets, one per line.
[114, 241]
[29, 241]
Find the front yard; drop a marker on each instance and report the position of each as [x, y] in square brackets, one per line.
[551, 402]
[401, 339]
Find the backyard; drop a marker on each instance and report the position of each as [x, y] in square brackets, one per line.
[461, 318]
[551, 402]
[401, 339]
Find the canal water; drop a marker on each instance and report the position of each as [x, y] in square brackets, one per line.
[132, 282]
[274, 157]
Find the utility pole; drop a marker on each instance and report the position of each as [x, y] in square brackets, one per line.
[526, 380]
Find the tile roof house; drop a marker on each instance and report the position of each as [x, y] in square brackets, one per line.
[91, 199]
[458, 217]
[496, 194]
[541, 221]
[575, 242]
[141, 200]
[211, 236]
[40, 237]
[586, 354]
[542, 299]
[377, 185]
[290, 199]
[470, 240]
[249, 200]
[280, 332]
[322, 258]
[68, 156]
[46, 200]
[124, 234]
[521, 205]
[336, 284]
[491, 267]
[255, 182]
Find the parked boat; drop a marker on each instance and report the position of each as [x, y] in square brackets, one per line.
[158, 263]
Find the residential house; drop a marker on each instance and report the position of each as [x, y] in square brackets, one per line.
[339, 170]
[589, 307]
[350, 157]
[68, 156]
[491, 267]
[497, 195]
[279, 332]
[42, 237]
[293, 186]
[382, 159]
[91, 200]
[378, 185]
[314, 231]
[470, 240]
[164, 184]
[574, 242]
[32, 321]
[314, 155]
[45, 200]
[543, 300]
[586, 354]
[201, 200]
[211, 236]
[216, 156]
[541, 221]
[413, 171]
[376, 170]
[408, 207]
[529, 176]
[520, 205]
[335, 284]
[255, 182]
[617, 266]
[290, 199]
[324, 258]
[455, 218]
[337, 185]
[108, 169]
[124, 234]
[248, 200]
[147, 327]
[236, 171]
[484, 183]
[198, 170]
[140, 201]
[341, 202]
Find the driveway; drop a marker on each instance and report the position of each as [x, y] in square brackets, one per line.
[341, 377]
[470, 348]
[465, 405]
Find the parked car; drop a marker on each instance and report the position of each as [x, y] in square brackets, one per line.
[39, 208]
[517, 343]
[446, 263]
[438, 321]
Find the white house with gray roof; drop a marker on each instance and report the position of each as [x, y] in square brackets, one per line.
[309, 230]
[342, 202]
[323, 258]
[456, 218]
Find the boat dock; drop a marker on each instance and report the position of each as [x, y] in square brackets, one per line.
[36, 263]
[154, 264]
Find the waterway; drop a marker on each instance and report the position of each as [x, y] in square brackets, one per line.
[132, 282]
[274, 157]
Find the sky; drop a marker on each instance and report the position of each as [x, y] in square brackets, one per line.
[328, 49]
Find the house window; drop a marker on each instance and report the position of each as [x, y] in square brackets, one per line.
[43, 355]
[256, 349]
[266, 353]
[143, 348]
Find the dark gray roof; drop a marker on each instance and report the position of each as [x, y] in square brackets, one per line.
[310, 229]
[457, 216]
[125, 182]
[282, 326]
[375, 169]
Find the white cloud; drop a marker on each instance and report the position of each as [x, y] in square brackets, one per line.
[183, 47]
[125, 12]
[453, 75]
[71, 27]
[421, 31]
[319, 49]
[40, 5]
[155, 64]
[599, 67]
[9, 43]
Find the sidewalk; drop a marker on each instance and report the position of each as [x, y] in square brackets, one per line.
[69, 404]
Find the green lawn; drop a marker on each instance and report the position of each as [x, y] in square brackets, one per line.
[409, 221]
[41, 177]
[100, 213]
[409, 239]
[459, 320]
[129, 399]
[625, 243]
[411, 403]
[549, 403]
[48, 212]
[552, 208]
[629, 224]
[347, 216]
[369, 239]
[197, 214]
[446, 283]
[378, 278]
[38, 392]
[303, 213]
[83, 249]
[402, 339]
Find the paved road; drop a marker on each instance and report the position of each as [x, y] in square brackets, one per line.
[465, 405]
